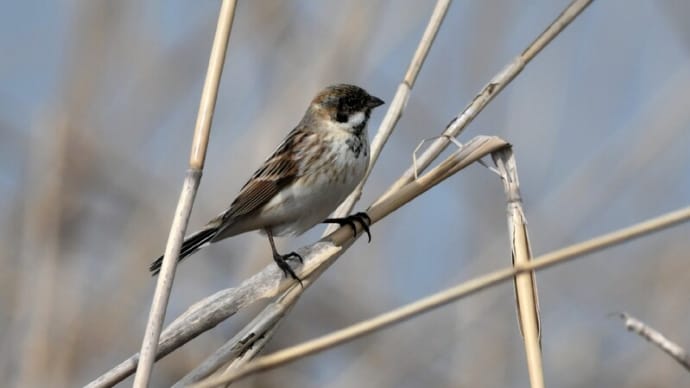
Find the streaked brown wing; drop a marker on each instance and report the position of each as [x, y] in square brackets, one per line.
[277, 172]
[273, 176]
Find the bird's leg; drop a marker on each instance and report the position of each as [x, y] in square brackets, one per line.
[281, 260]
[361, 217]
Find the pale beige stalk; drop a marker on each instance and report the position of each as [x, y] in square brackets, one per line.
[657, 338]
[397, 105]
[449, 295]
[527, 298]
[149, 345]
[482, 99]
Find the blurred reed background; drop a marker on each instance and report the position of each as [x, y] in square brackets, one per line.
[97, 105]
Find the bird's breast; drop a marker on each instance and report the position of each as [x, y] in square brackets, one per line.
[327, 176]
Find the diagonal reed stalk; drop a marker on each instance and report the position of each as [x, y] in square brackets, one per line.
[449, 295]
[202, 130]
[487, 94]
[395, 110]
[654, 336]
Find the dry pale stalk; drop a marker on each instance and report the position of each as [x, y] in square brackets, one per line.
[654, 336]
[442, 298]
[397, 106]
[241, 348]
[149, 345]
[482, 99]
[525, 283]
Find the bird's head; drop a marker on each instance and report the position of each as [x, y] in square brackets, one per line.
[345, 106]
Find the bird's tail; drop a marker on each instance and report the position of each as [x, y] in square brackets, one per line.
[191, 244]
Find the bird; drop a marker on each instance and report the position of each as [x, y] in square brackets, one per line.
[316, 166]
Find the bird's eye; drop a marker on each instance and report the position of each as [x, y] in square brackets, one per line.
[341, 117]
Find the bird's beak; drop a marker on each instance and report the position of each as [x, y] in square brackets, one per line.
[374, 102]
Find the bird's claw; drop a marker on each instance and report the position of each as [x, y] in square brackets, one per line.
[282, 263]
[361, 217]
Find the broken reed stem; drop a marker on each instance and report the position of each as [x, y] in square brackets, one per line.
[449, 295]
[482, 99]
[243, 346]
[650, 334]
[161, 296]
[527, 299]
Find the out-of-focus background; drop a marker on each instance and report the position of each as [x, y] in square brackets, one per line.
[97, 104]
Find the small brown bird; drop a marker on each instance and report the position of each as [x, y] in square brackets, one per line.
[311, 172]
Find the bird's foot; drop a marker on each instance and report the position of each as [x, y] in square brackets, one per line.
[361, 217]
[282, 262]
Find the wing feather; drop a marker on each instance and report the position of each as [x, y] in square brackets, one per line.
[262, 188]
[278, 171]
